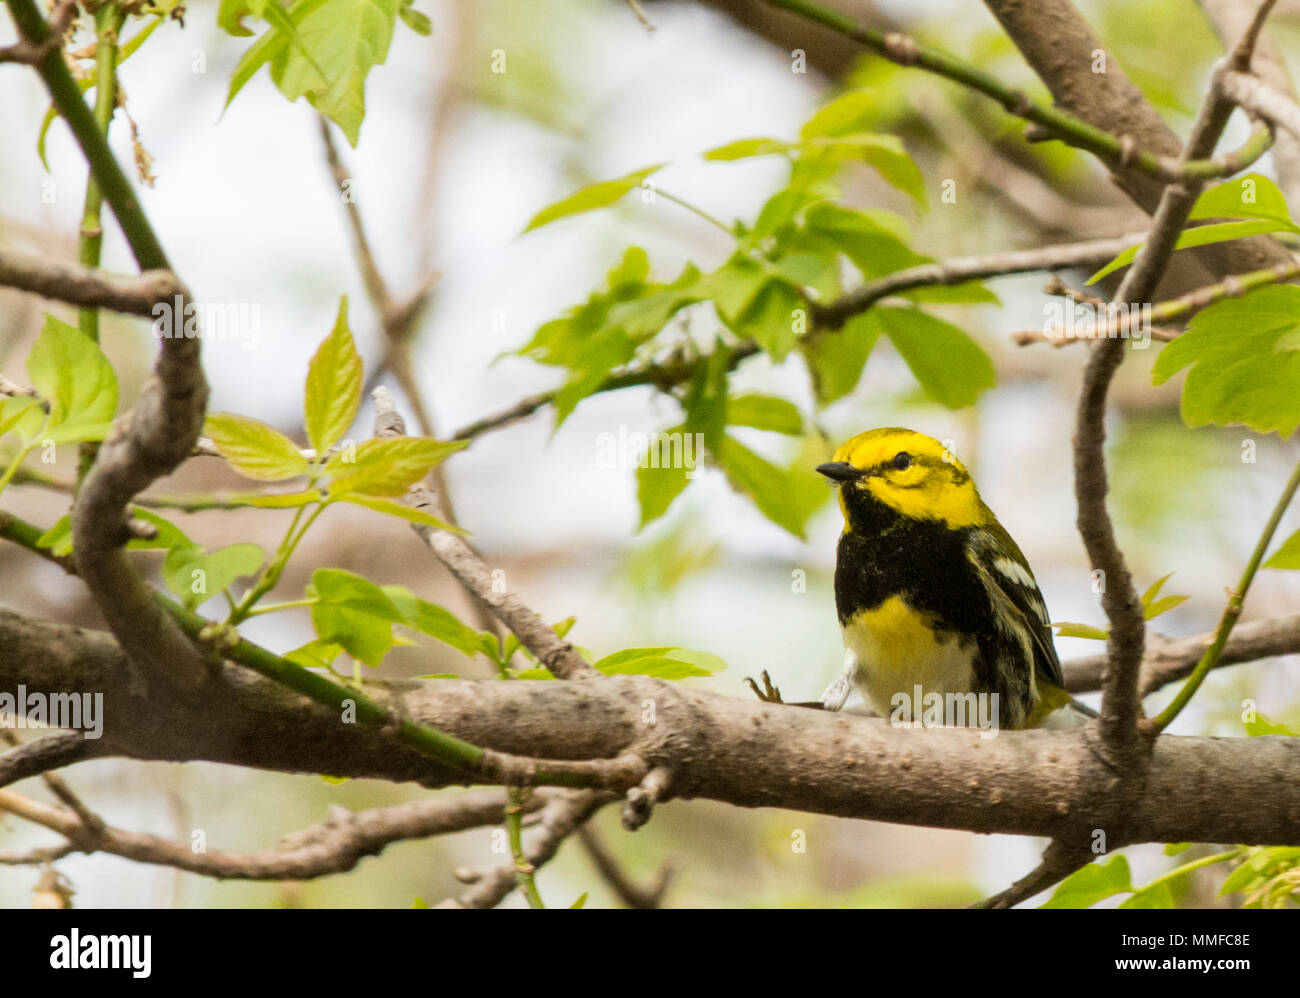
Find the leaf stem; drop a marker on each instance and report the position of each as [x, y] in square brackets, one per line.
[697, 210]
[1231, 612]
[108, 22]
[1196, 864]
[275, 568]
[292, 604]
[516, 801]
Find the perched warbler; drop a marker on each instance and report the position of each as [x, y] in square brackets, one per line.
[934, 597]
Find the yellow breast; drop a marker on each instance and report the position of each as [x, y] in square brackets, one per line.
[896, 651]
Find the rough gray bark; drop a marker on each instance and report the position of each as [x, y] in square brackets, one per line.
[723, 748]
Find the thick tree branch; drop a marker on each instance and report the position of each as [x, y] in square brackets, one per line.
[723, 748]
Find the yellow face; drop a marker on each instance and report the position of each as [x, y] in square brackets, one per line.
[909, 472]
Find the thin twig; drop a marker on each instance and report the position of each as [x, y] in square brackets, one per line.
[1118, 321]
[1232, 611]
[551, 650]
[1116, 151]
[832, 316]
[1057, 864]
[41, 756]
[33, 52]
[562, 816]
[87, 287]
[1170, 659]
[335, 845]
[629, 892]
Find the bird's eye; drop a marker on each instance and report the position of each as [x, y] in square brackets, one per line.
[902, 461]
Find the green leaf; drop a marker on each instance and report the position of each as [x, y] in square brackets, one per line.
[22, 414]
[354, 613]
[1092, 883]
[884, 153]
[836, 359]
[1242, 878]
[1153, 607]
[1202, 235]
[872, 240]
[231, 14]
[1067, 629]
[69, 370]
[1154, 589]
[334, 46]
[273, 44]
[778, 212]
[254, 449]
[734, 286]
[442, 624]
[58, 539]
[333, 386]
[414, 19]
[1262, 725]
[745, 148]
[846, 113]
[591, 197]
[951, 367]
[1164, 606]
[605, 331]
[315, 654]
[765, 412]
[168, 534]
[388, 466]
[402, 512]
[661, 663]
[773, 319]
[817, 272]
[1159, 895]
[1288, 555]
[1251, 196]
[196, 576]
[966, 293]
[656, 488]
[706, 399]
[1246, 362]
[1174, 848]
[581, 902]
[786, 496]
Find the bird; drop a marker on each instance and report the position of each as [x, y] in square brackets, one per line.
[939, 609]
